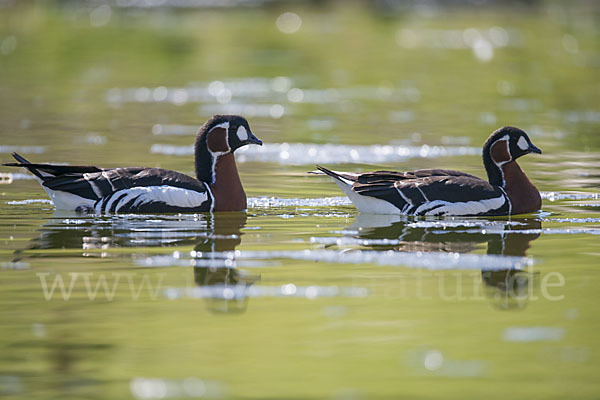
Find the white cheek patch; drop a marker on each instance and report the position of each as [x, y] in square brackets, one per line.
[522, 143]
[242, 134]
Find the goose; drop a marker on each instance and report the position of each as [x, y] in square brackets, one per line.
[440, 192]
[216, 187]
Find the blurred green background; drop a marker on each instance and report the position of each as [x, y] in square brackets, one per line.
[128, 82]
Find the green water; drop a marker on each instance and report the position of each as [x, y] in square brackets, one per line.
[300, 297]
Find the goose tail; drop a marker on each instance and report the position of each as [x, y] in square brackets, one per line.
[23, 162]
[345, 178]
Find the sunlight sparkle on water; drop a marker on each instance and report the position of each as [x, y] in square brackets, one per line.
[289, 22]
[159, 388]
[533, 334]
[240, 291]
[437, 261]
[433, 360]
[276, 202]
[295, 153]
[22, 149]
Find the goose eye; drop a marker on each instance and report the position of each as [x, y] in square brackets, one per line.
[242, 134]
[522, 143]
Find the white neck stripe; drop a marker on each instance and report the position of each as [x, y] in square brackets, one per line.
[216, 154]
[501, 163]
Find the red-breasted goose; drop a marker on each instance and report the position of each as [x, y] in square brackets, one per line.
[217, 186]
[444, 192]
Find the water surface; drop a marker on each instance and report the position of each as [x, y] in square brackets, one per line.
[300, 296]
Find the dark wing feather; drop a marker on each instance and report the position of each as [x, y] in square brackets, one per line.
[57, 170]
[102, 183]
[46, 171]
[106, 187]
[393, 176]
[414, 183]
[337, 175]
[409, 190]
[458, 189]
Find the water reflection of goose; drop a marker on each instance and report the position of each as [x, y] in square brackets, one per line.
[227, 285]
[68, 231]
[458, 235]
[510, 288]
[507, 288]
[207, 233]
[221, 275]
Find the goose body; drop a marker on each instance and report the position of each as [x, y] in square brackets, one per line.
[440, 192]
[217, 186]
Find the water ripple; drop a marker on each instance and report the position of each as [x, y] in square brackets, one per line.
[588, 220]
[525, 334]
[22, 149]
[350, 241]
[276, 202]
[462, 222]
[246, 93]
[160, 388]
[554, 196]
[237, 292]
[431, 260]
[306, 153]
[29, 201]
[544, 231]
[8, 177]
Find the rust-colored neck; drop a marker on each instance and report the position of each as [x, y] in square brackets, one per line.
[227, 190]
[523, 195]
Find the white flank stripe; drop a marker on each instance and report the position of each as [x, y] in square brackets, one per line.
[461, 208]
[113, 198]
[121, 202]
[170, 195]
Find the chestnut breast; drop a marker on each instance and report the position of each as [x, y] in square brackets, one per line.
[523, 195]
[227, 190]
